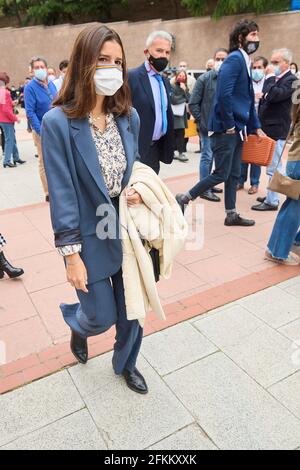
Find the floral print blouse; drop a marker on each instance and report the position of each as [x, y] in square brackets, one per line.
[111, 154]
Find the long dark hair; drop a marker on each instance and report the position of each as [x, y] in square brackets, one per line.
[4, 78]
[179, 72]
[77, 96]
[242, 28]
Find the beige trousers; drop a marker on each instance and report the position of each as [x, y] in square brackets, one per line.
[37, 143]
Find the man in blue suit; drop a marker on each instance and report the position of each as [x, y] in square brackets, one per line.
[232, 118]
[151, 98]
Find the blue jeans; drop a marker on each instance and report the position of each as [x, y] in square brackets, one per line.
[273, 198]
[11, 149]
[227, 154]
[255, 172]
[206, 160]
[286, 232]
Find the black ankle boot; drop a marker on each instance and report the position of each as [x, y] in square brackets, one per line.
[6, 267]
[79, 347]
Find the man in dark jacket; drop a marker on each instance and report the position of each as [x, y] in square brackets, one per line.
[275, 115]
[200, 106]
[232, 115]
[150, 93]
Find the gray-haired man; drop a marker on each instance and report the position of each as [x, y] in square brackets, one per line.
[275, 115]
[151, 98]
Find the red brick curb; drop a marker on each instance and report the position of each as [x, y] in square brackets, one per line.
[55, 358]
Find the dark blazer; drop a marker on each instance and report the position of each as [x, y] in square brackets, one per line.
[275, 106]
[234, 104]
[79, 199]
[202, 99]
[143, 101]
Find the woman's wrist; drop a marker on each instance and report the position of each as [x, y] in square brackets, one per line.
[72, 259]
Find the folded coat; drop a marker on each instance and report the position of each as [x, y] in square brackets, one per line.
[156, 223]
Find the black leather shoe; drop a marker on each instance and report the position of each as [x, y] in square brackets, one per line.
[9, 165]
[235, 219]
[135, 381]
[210, 196]
[6, 267]
[79, 347]
[182, 200]
[264, 207]
[20, 161]
[47, 198]
[217, 190]
[261, 199]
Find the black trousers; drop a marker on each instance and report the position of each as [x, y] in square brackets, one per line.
[180, 141]
[227, 154]
[2, 139]
[152, 158]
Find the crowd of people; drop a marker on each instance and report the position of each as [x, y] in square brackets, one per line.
[95, 120]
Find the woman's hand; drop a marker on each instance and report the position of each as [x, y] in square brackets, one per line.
[76, 272]
[133, 197]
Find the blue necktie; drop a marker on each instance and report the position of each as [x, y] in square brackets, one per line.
[163, 103]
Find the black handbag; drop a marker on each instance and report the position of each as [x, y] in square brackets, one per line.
[154, 253]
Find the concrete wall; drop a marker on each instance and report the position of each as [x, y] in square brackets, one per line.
[196, 40]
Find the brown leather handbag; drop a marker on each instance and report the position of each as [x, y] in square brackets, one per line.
[258, 150]
[284, 184]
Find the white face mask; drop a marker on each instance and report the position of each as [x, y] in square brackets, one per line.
[217, 65]
[108, 79]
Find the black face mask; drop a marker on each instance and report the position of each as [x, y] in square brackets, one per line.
[250, 46]
[159, 63]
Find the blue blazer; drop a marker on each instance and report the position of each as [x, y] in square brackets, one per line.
[143, 101]
[77, 188]
[234, 104]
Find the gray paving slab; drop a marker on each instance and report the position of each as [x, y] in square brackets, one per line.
[175, 347]
[258, 349]
[132, 421]
[289, 283]
[38, 404]
[74, 432]
[233, 410]
[292, 331]
[288, 392]
[94, 375]
[228, 326]
[274, 306]
[294, 289]
[190, 438]
[212, 312]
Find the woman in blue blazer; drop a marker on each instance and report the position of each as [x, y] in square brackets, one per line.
[90, 142]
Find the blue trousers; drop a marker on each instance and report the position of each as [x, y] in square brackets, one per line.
[255, 172]
[102, 307]
[206, 160]
[273, 198]
[227, 154]
[286, 232]
[10, 149]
